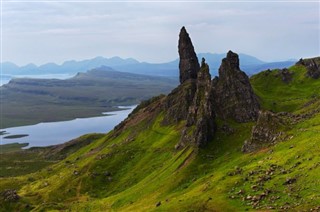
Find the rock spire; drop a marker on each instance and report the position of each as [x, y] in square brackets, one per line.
[189, 65]
[198, 100]
[233, 95]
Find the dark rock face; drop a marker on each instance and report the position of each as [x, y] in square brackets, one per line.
[265, 132]
[312, 65]
[189, 65]
[178, 102]
[198, 99]
[200, 126]
[233, 95]
[181, 98]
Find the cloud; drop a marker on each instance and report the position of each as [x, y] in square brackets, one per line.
[59, 31]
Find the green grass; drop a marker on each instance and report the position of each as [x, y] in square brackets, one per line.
[139, 168]
[278, 96]
[16, 163]
[5, 148]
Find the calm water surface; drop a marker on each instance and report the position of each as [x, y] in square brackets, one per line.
[51, 133]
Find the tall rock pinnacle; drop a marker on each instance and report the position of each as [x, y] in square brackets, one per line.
[198, 100]
[189, 65]
[233, 95]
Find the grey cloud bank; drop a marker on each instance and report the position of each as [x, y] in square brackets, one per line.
[58, 31]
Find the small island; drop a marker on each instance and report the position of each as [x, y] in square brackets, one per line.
[3, 132]
[15, 136]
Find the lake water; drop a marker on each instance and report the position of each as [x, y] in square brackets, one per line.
[51, 133]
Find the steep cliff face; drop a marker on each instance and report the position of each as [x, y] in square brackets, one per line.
[189, 65]
[180, 99]
[232, 93]
[200, 123]
[198, 99]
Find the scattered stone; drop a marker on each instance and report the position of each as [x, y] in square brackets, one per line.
[248, 197]
[290, 181]
[254, 187]
[240, 192]
[75, 172]
[106, 173]
[10, 195]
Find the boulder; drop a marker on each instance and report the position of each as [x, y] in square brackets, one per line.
[10, 195]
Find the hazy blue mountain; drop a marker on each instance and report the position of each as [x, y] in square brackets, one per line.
[68, 67]
[9, 67]
[249, 64]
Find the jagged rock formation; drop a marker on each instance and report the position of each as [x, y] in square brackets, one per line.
[267, 130]
[233, 95]
[200, 126]
[198, 99]
[189, 65]
[312, 65]
[178, 102]
[181, 98]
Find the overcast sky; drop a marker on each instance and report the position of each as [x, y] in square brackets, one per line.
[59, 31]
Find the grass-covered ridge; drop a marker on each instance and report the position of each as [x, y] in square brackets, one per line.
[136, 167]
[277, 95]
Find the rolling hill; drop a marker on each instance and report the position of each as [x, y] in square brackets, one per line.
[225, 144]
[29, 101]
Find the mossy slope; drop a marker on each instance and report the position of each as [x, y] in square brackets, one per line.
[136, 167]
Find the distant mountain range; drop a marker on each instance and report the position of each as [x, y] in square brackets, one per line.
[249, 64]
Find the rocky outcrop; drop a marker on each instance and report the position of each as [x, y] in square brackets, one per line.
[286, 75]
[191, 101]
[267, 131]
[198, 99]
[200, 124]
[233, 95]
[189, 65]
[180, 99]
[312, 65]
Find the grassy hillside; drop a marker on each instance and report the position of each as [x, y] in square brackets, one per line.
[136, 167]
[277, 95]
